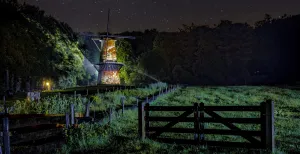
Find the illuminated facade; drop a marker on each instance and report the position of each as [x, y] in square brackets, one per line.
[110, 77]
[109, 67]
[109, 50]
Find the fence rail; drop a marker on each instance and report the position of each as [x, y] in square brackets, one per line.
[265, 135]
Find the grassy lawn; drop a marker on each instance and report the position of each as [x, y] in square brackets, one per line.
[122, 135]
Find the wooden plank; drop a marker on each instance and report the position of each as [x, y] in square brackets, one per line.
[233, 127]
[232, 132]
[232, 144]
[26, 116]
[209, 143]
[172, 130]
[172, 123]
[171, 108]
[35, 128]
[177, 119]
[177, 141]
[42, 141]
[234, 120]
[84, 119]
[232, 108]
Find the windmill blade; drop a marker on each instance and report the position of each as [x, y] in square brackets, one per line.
[107, 22]
[117, 36]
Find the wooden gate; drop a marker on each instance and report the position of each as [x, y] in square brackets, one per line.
[265, 135]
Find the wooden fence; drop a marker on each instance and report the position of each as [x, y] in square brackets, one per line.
[53, 122]
[265, 134]
[67, 120]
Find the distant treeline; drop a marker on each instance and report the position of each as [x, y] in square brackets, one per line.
[226, 54]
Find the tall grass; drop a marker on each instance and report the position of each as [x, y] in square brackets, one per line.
[49, 105]
[100, 102]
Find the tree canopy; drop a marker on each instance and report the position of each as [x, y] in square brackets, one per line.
[33, 44]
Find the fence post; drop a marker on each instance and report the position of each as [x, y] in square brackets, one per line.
[58, 95]
[147, 100]
[147, 123]
[4, 104]
[122, 103]
[6, 141]
[94, 113]
[263, 124]
[270, 130]
[87, 91]
[201, 123]
[87, 109]
[137, 101]
[110, 114]
[72, 115]
[141, 117]
[67, 120]
[196, 123]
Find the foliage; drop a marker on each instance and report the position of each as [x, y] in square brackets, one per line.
[34, 44]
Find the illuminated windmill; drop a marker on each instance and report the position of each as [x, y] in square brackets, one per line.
[108, 68]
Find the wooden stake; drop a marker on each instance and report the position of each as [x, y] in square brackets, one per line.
[141, 117]
[67, 120]
[72, 115]
[147, 123]
[201, 109]
[6, 141]
[122, 103]
[196, 123]
[87, 109]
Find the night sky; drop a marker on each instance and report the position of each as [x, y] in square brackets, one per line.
[164, 15]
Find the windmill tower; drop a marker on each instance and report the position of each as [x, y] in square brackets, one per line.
[108, 68]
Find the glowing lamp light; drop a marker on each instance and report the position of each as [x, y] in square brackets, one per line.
[48, 85]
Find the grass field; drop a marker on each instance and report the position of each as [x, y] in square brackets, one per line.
[122, 135]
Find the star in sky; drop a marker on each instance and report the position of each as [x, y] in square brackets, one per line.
[164, 15]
